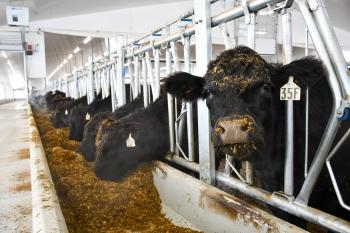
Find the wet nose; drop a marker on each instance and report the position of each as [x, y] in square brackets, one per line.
[234, 129]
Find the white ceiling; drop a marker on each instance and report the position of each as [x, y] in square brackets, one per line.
[59, 46]
[48, 9]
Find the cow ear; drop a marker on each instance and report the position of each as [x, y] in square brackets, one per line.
[185, 86]
[306, 72]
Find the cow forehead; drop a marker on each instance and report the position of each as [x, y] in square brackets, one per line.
[236, 72]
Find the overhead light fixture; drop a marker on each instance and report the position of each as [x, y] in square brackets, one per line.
[61, 65]
[70, 56]
[9, 63]
[76, 50]
[261, 32]
[65, 61]
[87, 40]
[4, 54]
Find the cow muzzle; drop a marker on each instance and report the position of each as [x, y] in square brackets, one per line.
[234, 130]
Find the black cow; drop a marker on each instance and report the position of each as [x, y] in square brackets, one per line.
[147, 127]
[81, 114]
[87, 146]
[247, 116]
[53, 99]
[59, 117]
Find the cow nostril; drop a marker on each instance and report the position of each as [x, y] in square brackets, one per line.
[219, 130]
[244, 127]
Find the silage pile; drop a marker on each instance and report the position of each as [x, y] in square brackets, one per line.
[92, 205]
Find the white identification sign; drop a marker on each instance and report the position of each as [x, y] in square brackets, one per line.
[87, 117]
[130, 142]
[290, 91]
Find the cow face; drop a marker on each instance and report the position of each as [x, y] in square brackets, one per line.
[77, 122]
[241, 91]
[115, 159]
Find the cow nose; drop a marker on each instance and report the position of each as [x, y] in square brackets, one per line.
[234, 130]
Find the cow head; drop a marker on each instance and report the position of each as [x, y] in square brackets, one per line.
[241, 91]
[77, 121]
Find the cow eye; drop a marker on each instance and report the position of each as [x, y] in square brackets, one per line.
[209, 98]
[266, 87]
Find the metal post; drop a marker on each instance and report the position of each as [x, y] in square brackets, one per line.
[251, 44]
[170, 98]
[131, 77]
[289, 117]
[333, 123]
[120, 79]
[203, 56]
[150, 73]
[75, 83]
[226, 36]
[156, 74]
[189, 107]
[179, 126]
[67, 88]
[91, 79]
[175, 55]
[145, 86]
[114, 88]
[251, 31]
[306, 42]
[306, 152]
[137, 76]
[319, 12]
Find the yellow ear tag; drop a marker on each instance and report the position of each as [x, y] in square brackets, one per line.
[66, 112]
[130, 142]
[87, 117]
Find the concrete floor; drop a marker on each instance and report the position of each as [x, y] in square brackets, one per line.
[15, 190]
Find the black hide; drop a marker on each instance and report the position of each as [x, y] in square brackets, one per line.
[239, 84]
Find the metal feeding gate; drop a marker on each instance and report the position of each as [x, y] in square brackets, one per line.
[139, 63]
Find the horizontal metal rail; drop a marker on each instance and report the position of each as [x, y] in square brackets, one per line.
[236, 12]
[185, 15]
[274, 199]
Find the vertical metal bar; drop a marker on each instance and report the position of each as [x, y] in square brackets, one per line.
[156, 74]
[179, 126]
[137, 76]
[170, 104]
[203, 56]
[75, 83]
[251, 31]
[150, 73]
[306, 42]
[67, 87]
[145, 86]
[175, 56]
[113, 88]
[306, 153]
[120, 79]
[189, 107]
[132, 78]
[333, 123]
[318, 9]
[227, 171]
[91, 79]
[289, 119]
[251, 44]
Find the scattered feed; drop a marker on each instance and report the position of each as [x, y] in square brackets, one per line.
[93, 205]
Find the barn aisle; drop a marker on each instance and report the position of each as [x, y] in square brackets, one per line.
[15, 188]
